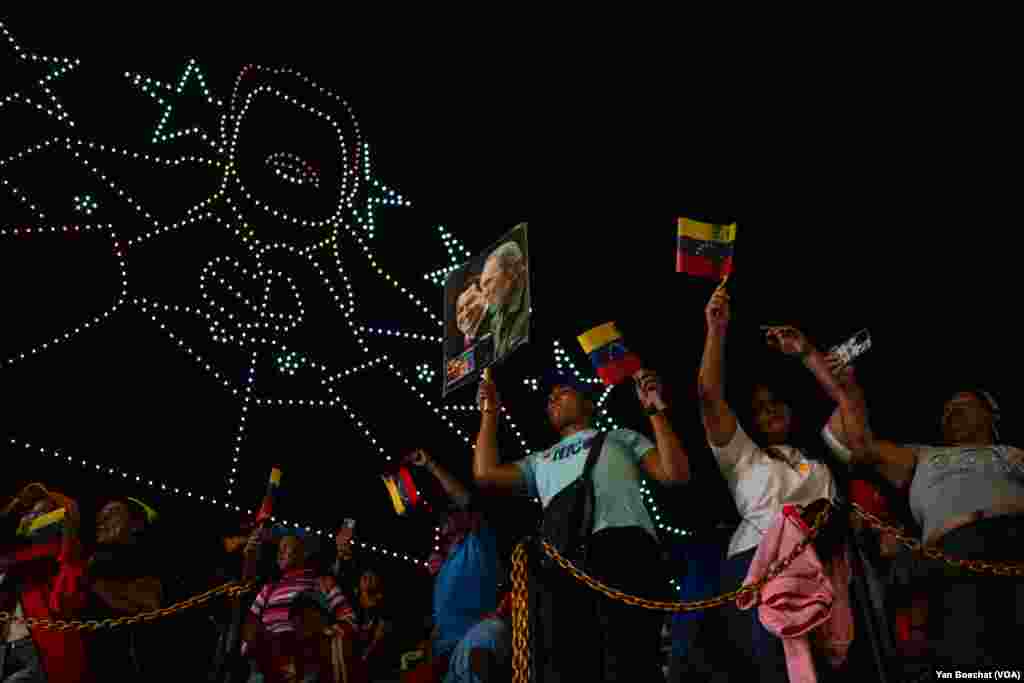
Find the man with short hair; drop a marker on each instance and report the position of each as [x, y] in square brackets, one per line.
[505, 286]
[465, 563]
[582, 629]
[967, 495]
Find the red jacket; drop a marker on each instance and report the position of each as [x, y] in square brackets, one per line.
[50, 586]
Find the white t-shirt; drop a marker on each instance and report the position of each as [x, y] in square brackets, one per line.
[619, 500]
[761, 485]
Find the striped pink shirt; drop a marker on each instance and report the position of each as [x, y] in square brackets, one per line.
[275, 601]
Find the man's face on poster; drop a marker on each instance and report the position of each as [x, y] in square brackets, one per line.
[469, 309]
[499, 281]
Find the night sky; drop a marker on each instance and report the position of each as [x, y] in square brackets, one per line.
[861, 202]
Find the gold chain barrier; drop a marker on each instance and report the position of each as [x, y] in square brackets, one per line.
[520, 598]
[232, 589]
[977, 566]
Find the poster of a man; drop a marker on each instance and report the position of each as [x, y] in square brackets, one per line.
[487, 309]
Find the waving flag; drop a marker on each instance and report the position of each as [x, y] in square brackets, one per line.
[705, 249]
[267, 509]
[613, 362]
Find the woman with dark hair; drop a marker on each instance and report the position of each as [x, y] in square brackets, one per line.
[967, 495]
[764, 473]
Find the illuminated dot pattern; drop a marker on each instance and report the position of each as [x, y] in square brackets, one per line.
[86, 204]
[42, 99]
[165, 95]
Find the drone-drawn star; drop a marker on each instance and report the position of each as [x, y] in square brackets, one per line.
[326, 243]
[167, 94]
[29, 77]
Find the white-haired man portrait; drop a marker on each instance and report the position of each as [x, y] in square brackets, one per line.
[504, 282]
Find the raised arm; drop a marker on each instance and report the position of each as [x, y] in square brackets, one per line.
[850, 416]
[719, 420]
[452, 486]
[487, 471]
[668, 462]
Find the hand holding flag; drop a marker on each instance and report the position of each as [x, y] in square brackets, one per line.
[717, 313]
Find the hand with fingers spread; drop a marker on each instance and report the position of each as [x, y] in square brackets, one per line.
[717, 313]
[788, 340]
[842, 371]
[649, 391]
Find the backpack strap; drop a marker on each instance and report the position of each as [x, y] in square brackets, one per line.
[596, 446]
[589, 501]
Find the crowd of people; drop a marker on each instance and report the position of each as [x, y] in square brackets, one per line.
[852, 604]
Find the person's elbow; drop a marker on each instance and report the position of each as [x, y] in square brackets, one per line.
[677, 474]
[486, 478]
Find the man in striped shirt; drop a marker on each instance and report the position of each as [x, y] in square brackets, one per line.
[278, 641]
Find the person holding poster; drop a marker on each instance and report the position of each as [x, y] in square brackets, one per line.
[487, 309]
[584, 635]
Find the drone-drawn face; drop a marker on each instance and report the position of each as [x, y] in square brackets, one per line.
[296, 158]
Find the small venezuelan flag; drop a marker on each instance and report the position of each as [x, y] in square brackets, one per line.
[267, 509]
[705, 249]
[45, 527]
[608, 353]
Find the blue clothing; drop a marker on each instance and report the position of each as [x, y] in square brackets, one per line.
[702, 561]
[756, 652]
[466, 588]
[491, 634]
[619, 499]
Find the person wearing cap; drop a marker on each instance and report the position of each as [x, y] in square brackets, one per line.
[619, 641]
[967, 495]
[39, 572]
[464, 563]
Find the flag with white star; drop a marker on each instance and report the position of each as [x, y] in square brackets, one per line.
[705, 249]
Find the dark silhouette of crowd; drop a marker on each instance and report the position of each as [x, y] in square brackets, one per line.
[847, 598]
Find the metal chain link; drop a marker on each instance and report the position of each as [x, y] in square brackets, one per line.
[977, 566]
[520, 604]
[520, 623]
[232, 589]
[520, 617]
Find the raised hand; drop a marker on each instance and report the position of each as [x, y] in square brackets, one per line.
[717, 313]
[649, 391]
[252, 546]
[418, 457]
[788, 340]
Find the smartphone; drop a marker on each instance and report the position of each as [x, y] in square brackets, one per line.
[853, 348]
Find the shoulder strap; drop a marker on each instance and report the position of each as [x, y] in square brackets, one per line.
[596, 446]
